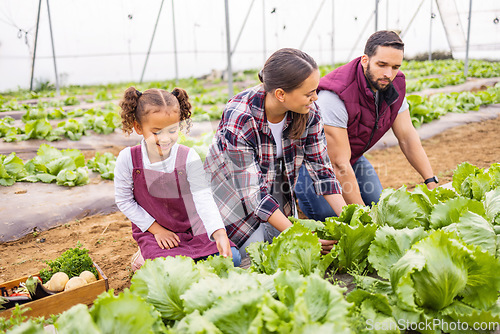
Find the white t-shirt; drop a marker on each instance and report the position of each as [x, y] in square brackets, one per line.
[277, 131]
[333, 110]
[196, 176]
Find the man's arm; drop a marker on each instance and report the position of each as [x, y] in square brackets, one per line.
[339, 151]
[410, 144]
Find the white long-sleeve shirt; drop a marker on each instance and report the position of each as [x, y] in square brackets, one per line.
[198, 184]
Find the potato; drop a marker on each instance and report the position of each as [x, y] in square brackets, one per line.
[88, 276]
[58, 281]
[75, 282]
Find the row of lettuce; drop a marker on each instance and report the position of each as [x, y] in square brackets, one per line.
[68, 167]
[476, 68]
[423, 109]
[207, 107]
[210, 92]
[36, 124]
[426, 261]
[50, 165]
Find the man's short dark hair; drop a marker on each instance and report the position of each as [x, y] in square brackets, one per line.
[383, 38]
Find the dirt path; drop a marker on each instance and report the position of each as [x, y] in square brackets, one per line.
[109, 239]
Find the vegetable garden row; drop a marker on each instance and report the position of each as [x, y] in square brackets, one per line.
[417, 258]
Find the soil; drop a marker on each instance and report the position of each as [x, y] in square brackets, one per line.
[109, 239]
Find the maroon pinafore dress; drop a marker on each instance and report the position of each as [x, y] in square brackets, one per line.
[167, 197]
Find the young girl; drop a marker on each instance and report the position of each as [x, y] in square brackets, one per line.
[161, 186]
[265, 135]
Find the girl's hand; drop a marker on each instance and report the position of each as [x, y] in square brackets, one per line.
[222, 242]
[327, 245]
[166, 239]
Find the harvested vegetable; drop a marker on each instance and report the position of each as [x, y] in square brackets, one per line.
[8, 302]
[58, 281]
[36, 289]
[75, 282]
[88, 276]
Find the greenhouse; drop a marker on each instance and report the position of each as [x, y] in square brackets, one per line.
[250, 166]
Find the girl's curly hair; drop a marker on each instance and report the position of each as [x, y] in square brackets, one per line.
[134, 103]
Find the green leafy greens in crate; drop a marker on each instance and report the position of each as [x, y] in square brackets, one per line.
[72, 262]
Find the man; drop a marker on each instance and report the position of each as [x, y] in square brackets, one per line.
[359, 102]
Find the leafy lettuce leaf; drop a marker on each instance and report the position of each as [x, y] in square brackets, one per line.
[203, 294]
[195, 323]
[431, 274]
[125, 313]
[354, 231]
[162, 281]
[440, 269]
[373, 311]
[492, 205]
[475, 230]
[235, 313]
[390, 245]
[296, 248]
[11, 169]
[450, 212]
[314, 303]
[398, 209]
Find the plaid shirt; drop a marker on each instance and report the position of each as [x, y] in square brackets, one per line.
[241, 162]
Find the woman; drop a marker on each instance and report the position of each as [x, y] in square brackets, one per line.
[265, 135]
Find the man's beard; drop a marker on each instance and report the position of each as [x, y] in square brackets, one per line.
[374, 81]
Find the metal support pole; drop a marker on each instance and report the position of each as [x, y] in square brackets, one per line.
[361, 34]
[228, 47]
[311, 25]
[376, 15]
[34, 49]
[411, 21]
[242, 27]
[175, 45]
[430, 33]
[387, 16]
[466, 66]
[264, 44]
[151, 44]
[333, 33]
[53, 51]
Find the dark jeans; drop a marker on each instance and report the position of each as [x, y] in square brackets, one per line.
[317, 208]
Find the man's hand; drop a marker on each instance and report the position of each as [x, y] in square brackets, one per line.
[327, 245]
[222, 241]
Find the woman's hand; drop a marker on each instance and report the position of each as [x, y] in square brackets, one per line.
[222, 241]
[166, 239]
[327, 245]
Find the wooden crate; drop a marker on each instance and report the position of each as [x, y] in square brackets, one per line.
[61, 301]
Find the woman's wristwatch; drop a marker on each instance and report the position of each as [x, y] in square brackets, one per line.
[431, 179]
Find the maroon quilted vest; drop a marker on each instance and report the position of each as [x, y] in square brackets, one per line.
[364, 127]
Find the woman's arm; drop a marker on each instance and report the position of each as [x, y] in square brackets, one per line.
[336, 201]
[279, 221]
